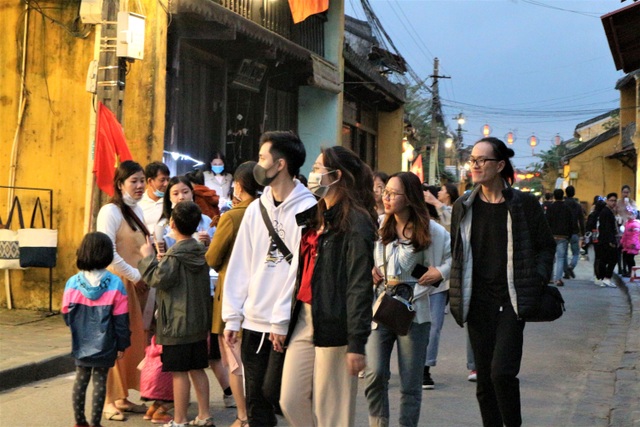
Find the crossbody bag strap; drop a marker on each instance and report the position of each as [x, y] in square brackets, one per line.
[282, 247]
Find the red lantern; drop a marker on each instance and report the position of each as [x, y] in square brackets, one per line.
[533, 141]
[486, 130]
[557, 139]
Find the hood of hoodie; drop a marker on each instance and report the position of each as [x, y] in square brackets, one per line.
[190, 253]
[298, 193]
[88, 290]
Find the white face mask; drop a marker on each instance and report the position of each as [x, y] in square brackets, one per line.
[314, 183]
[128, 200]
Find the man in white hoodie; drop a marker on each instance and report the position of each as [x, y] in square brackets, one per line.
[260, 279]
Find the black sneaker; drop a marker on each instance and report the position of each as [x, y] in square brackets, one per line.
[427, 382]
[571, 273]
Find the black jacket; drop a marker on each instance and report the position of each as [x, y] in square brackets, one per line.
[608, 227]
[561, 220]
[578, 212]
[532, 257]
[341, 285]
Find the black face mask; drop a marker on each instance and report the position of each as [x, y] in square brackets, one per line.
[260, 174]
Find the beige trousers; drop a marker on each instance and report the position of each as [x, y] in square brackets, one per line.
[316, 390]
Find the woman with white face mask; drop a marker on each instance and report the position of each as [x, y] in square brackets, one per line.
[331, 305]
[122, 220]
[218, 178]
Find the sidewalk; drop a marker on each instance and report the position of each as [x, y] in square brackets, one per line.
[35, 347]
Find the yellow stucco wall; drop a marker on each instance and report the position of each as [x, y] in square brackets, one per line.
[53, 140]
[390, 127]
[598, 175]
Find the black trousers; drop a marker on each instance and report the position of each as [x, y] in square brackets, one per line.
[496, 337]
[606, 259]
[255, 352]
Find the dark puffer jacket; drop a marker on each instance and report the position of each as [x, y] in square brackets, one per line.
[529, 264]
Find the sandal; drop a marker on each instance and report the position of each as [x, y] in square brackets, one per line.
[161, 416]
[113, 416]
[198, 422]
[133, 408]
[243, 423]
[152, 409]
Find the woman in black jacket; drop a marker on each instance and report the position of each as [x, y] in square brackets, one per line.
[331, 307]
[502, 250]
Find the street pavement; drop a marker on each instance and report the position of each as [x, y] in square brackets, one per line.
[581, 370]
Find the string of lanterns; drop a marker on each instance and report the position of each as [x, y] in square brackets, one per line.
[510, 137]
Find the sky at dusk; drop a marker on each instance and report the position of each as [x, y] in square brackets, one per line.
[527, 66]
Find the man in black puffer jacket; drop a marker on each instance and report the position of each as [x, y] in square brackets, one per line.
[502, 257]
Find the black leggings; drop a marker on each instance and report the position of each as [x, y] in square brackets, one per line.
[83, 375]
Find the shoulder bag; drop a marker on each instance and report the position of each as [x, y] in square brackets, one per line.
[38, 246]
[9, 247]
[394, 307]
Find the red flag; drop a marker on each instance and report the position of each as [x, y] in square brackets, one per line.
[111, 148]
[302, 9]
[416, 167]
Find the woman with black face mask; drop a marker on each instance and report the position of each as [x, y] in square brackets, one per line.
[331, 306]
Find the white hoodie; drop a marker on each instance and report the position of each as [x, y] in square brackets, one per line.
[259, 281]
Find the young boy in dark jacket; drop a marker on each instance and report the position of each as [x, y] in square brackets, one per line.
[184, 311]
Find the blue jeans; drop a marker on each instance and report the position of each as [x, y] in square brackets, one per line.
[561, 258]
[575, 252]
[437, 304]
[411, 351]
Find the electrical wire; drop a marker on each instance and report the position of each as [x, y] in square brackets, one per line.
[82, 32]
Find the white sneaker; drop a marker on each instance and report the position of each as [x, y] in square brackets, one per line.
[598, 282]
[473, 376]
[229, 401]
[607, 282]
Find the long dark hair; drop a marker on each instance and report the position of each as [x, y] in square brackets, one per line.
[504, 153]
[354, 190]
[124, 171]
[418, 214]
[166, 201]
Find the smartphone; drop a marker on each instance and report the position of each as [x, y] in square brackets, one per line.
[418, 272]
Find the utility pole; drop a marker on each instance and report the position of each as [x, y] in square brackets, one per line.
[110, 81]
[435, 113]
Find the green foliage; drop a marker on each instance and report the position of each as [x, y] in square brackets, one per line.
[417, 109]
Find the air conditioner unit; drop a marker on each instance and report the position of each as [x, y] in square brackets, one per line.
[91, 11]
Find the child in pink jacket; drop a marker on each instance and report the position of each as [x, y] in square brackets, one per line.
[630, 243]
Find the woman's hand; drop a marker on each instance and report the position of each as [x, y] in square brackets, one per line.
[355, 363]
[377, 275]
[277, 341]
[431, 199]
[230, 337]
[147, 248]
[204, 238]
[430, 277]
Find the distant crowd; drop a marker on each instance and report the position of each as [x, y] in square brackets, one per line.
[290, 288]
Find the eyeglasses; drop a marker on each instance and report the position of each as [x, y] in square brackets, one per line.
[391, 195]
[613, 200]
[480, 162]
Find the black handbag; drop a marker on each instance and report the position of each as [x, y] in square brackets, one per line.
[394, 307]
[551, 306]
